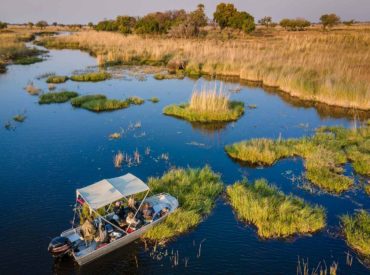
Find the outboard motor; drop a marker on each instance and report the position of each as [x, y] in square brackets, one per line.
[59, 246]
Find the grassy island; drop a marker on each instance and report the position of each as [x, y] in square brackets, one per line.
[93, 77]
[207, 106]
[100, 103]
[57, 97]
[274, 214]
[196, 190]
[324, 154]
[56, 79]
[356, 229]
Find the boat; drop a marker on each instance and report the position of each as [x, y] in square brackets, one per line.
[101, 197]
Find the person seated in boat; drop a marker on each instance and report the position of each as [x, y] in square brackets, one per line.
[164, 211]
[119, 210]
[102, 236]
[131, 204]
[147, 212]
[131, 220]
[88, 230]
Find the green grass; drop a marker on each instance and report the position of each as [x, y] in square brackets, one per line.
[236, 110]
[93, 77]
[154, 99]
[367, 188]
[274, 214]
[78, 101]
[356, 229]
[196, 190]
[100, 105]
[135, 100]
[57, 97]
[56, 79]
[27, 60]
[19, 118]
[324, 154]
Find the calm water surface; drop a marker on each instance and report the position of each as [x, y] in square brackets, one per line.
[58, 149]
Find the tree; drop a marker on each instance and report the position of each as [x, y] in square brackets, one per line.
[265, 21]
[30, 25]
[55, 24]
[198, 18]
[42, 24]
[3, 25]
[226, 15]
[329, 20]
[125, 24]
[90, 25]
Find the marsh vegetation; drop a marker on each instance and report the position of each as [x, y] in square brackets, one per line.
[325, 153]
[56, 79]
[91, 77]
[207, 105]
[196, 190]
[57, 97]
[274, 214]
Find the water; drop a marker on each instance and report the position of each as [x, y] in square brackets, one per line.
[58, 149]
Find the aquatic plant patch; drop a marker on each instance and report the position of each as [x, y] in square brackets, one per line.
[56, 79]
[57, 97]
[27, 60]
[78, 101]
[274, 214]
[356, 229]
[91, 77]
[196, 190]
[324, 154]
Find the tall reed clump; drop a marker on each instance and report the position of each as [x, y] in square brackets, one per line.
[207, 105]
[356, 229]
[57, 97]
[324, 154]
[325, 67]
[274, 214]
[118, 159]
[196, 190]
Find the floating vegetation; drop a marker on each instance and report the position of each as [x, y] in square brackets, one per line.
[274, 214]
[356, 229]
[115, 135]
[56, 79]
[78, 101]
[154, 99]
[19, 118]
[27, 60]
[100, 103]
[57, 97]
[93, 77]
[325, 154]
[207, 105]
[118, 159]
[31, 89]
[196, 190]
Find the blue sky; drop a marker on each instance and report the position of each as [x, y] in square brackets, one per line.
[83, 11]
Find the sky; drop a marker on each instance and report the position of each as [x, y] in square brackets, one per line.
[84, 11]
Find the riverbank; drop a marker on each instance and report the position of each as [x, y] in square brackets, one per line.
[328, 67]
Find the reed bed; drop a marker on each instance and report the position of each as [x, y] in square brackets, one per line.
[56, 79]
[196, 190]
[78, 101]
[118, 159]
[275, 214]
[207, 105]
[356, 229]
[324, 154]
[332, 67]
[57, 97]
[91, 77]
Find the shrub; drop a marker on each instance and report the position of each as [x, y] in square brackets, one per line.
[93, 77]
[329, 20]
[356, 229]
[56, 79]
[196, 190]
[42, 24]
[275, 214]
[298, 24]
[58, 97]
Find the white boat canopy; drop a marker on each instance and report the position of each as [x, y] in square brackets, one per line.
[107, 191]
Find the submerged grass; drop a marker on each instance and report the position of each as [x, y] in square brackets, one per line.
[356, 229]
[324, 154]
[93, 77]
[57, 97]
[275, 214]
[196, 190]
[56, 79]
[207, 105]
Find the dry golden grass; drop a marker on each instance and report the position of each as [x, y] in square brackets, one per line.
[331, 67]
[209, 100]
